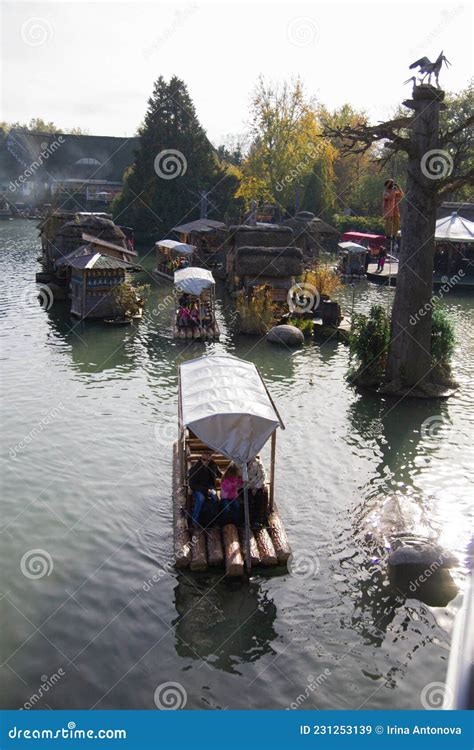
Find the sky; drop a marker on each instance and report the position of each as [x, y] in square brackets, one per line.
[93, 64]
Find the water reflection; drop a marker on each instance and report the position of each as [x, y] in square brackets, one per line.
[223, 624]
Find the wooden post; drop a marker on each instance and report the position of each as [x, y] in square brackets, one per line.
[248, 557]
[272, 471]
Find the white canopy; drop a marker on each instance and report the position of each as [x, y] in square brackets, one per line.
[352, 247]
[223, 400]
[454, 228]
[180, 248]
[193, 280]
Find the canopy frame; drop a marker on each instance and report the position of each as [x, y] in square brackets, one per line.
[243, 465]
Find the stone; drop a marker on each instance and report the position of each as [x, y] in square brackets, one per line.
[285, 335]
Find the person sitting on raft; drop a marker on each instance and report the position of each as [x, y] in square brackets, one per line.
[194, 317]
[230, 486]
[257, 480]
[207, 319]
[184, 316]
[202, 480]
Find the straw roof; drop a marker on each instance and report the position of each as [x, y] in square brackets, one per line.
[260, 235]
[273, 262]
[307, 223]
[70, 235]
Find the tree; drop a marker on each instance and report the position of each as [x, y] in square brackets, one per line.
[38, 125]
[285, 148]
[175, 162]
[436, 167]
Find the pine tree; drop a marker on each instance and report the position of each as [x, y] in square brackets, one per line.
[174, 163]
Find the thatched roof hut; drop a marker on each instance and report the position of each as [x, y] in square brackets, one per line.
[260, 235]
[268, 262]
[71, 234]
[308, 231]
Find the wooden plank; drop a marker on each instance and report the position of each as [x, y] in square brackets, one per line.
[234, 562]
[255, 558]
[215, 550]
[278, 536]
[265, 547]
[198, 550]
[182, 545]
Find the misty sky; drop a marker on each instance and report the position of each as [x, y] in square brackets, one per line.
[93, 64]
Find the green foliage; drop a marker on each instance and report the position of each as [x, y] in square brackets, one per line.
[370, 224]
[459, 106]
[256, 311]
[369, 341]
[128, 300]
[322, 278]
[286, 151]
[304, 324]
[442, 337]
[153, 204]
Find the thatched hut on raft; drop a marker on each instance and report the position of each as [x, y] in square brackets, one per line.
[309, 232]
[275, 267]
[93, 277]
[262, 254]
[61, 233]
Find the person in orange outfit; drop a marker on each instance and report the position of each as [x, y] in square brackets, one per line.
[392, 196]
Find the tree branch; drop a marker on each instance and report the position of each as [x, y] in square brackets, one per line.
[449, 135]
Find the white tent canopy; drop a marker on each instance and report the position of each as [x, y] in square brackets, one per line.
[180, 248]
[193, 280]
[454, 228]
[352, 247]
[225, 403]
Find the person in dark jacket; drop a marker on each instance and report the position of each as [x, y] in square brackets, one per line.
[202, 481]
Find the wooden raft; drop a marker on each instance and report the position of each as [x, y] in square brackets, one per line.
[218, 548]
[183, 333]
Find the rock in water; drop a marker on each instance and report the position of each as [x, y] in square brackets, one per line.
[286, 336]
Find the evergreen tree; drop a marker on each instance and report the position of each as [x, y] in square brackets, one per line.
[173, 165]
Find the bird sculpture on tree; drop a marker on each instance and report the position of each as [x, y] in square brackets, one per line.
[428, 68]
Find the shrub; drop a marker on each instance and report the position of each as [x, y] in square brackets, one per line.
[370, 224]
[442, 337]
[304, 324]
[128, 299]
[256, 311]
[369, 340]
[322, 278]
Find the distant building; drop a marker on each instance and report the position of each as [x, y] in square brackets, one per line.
[73, 171]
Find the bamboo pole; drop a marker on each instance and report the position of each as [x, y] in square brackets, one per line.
[248, 557]
[272, 470]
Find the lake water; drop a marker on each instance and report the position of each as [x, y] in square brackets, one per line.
[89, 418]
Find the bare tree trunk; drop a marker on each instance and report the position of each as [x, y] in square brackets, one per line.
[409, 366]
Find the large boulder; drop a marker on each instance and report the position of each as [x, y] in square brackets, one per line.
[286, 336]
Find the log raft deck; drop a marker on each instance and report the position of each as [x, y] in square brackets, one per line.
[198, 284]
[224, 406]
